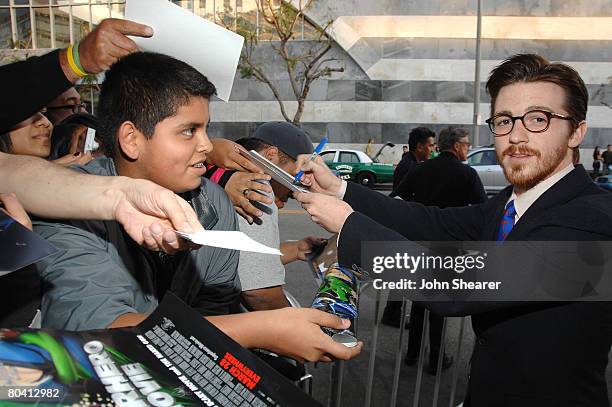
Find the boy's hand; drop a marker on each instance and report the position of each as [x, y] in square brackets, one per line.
[296, 333]
[226, 155]
[242, 188]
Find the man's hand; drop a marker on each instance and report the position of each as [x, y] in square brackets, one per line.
[242, 188]
[13, 208]
[105, 45]
[226, 155]
[325, 210]
[318, 176]
[150, 213]
[298, 250]
[306, 245]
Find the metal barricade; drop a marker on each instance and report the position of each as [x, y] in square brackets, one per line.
[437, 394]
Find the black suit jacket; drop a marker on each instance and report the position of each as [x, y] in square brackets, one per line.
[407, 163]
[443, 181]
[527, 355]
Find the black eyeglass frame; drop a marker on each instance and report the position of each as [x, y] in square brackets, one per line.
[549, 116]
[76, 108]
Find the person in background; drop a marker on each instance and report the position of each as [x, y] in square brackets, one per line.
[606, 156]
[32, 136]
[435, 152]
[443, 182]
[369, 148]
[421, 143]
[597, 160]
[261, 276]
[64, 105]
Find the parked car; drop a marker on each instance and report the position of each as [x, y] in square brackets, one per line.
[484, 161]
[604, 181]
[355, 165]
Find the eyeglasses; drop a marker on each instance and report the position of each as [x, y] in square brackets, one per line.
[535, 121]
[73, 108]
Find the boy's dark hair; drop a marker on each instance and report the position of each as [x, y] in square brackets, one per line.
[534, 68]
[419, 135]
[145, 88]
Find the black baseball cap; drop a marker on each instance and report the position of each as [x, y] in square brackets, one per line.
[285, 136]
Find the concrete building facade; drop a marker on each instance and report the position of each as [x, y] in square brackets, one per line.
[406, 63]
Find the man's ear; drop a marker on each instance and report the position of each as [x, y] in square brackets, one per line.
[578, 135]
[271, 153]
[130, 140]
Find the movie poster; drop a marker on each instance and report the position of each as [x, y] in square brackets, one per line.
[174, 358]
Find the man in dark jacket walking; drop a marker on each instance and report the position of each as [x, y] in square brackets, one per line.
[444, 182]
[421, 143]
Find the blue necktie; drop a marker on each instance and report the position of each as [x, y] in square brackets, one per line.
[507, 222]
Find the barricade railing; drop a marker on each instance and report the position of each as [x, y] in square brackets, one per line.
[438, 396]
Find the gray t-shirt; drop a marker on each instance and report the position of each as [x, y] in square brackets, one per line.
[100, 273]
[257, 270]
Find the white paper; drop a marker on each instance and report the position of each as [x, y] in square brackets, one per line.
[209, 48]
[228, 240]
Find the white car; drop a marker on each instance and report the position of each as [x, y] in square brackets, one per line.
[484, 161]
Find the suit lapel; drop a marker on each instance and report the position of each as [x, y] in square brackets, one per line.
[566, 189]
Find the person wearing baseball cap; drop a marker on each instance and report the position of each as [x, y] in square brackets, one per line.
[262, 277]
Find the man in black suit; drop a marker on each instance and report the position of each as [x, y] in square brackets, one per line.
[526, 354]
[421, 143]
[444, 182]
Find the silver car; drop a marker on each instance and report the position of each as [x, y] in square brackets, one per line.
[484, 161]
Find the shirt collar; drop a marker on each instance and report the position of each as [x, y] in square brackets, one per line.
[527, 198]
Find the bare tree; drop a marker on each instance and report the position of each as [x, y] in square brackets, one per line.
[304, 66]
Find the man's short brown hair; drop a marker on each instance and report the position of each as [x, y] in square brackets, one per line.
[534, 68]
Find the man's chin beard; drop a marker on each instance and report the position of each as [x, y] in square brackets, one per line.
[521, 177]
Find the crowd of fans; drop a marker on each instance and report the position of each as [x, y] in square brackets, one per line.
[112, 215]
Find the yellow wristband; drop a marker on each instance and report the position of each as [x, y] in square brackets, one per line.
[73, 65]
